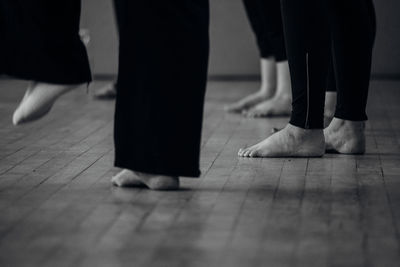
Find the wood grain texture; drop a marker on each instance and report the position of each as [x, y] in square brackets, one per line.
[58, 207]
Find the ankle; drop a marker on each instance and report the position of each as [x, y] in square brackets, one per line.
[283, 96]
[266, 90]
[304, 132]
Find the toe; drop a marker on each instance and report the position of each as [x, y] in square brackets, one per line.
[253, 154]
[247, 153]
[242, 152]
[115, 181]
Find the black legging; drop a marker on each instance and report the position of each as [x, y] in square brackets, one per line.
[266, 21]
[314, 27]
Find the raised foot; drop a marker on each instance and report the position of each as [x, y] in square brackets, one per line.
[345, 137]
[38, 101]
[291, 141]
[277, 106]
[248, 102]
[127, 178]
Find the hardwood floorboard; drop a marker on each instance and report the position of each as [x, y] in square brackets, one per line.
[58, 207]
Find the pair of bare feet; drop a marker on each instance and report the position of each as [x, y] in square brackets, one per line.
[273, 98]
[341, 136]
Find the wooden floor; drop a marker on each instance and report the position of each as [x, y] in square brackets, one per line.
[58, 208]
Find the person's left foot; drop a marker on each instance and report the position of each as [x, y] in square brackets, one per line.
[38, 100]
[292, 141]
[277, 106]
[345, 137]
[128, 178]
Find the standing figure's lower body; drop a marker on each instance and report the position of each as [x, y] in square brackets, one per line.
[274, 96]
[313, 30]
[161, 85]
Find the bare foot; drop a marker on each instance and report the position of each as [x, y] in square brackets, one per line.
[345, 137]
[38, 100]
[107, 92]
[248, 102]
[291, 141]
[128, 178]
[280, 105]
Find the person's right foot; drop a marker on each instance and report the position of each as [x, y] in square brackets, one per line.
[345, 137]
[128, 178]
[291, 141]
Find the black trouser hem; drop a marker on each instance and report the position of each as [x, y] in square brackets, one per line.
[303, 125]
[158, 169]
[353, 117]
[49, 78]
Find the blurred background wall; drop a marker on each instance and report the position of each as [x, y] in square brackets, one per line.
[233, 49]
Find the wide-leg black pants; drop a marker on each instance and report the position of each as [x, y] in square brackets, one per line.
[314, 28]
[161, 84]
[39, 40]
[162, 71]
[266, 21]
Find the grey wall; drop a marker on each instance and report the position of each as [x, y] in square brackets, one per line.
[233, 50]
[387, 47]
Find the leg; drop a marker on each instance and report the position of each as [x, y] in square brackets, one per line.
[272, 42]
[353, 33]
[266, 22]
[43, 45]
[170, 75]
[267, 90]
[307, 40]
[280, 103]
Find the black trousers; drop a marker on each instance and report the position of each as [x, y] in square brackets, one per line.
[313, 30]
[162, 71]
[40, 41]
[162, 76]
[266, 21]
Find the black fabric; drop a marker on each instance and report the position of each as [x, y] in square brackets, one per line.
[163, 60]
[40, 41]
[314, 29]
[266, 21]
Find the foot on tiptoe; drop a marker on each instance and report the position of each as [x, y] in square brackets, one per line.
[128, 178]
[291, 141]
[346, 137]
[38, 100]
